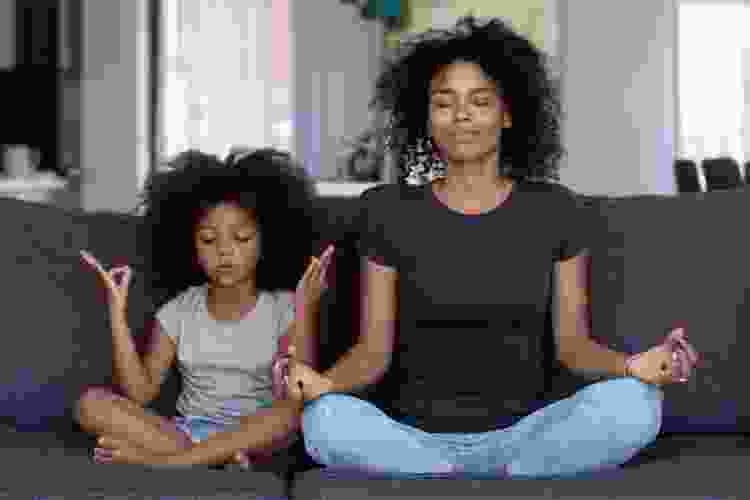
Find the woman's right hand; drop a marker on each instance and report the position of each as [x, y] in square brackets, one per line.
[116, 280]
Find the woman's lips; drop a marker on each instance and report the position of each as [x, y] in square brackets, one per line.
[464, 136]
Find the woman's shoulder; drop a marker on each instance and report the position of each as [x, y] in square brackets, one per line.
[549, 187]
[385, 196]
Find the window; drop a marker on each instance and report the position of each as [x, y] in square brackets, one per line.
[714, 80]
[224, 76]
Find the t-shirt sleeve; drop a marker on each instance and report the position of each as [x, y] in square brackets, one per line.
[376, 207]
[168, 317]
[574, 219]
[285, 308]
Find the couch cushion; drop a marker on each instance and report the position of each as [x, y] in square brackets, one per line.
[37, 258]
[58, 338]
[659, 262]
[66, 471]
[685, 467]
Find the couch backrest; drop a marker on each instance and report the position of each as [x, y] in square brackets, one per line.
[658, 262]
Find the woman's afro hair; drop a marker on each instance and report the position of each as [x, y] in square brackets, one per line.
[266, 182]
[531, 148]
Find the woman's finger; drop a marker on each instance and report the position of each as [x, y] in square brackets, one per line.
[692, 354]
[684, 364]
[679, 338]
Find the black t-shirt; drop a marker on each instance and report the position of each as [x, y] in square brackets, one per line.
[473, 294]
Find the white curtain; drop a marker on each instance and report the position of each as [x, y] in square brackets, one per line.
[226, 79]
[714, 80]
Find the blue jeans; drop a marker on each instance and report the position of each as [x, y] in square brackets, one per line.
[600, 427]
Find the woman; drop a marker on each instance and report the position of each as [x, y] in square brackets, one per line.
[462, 264]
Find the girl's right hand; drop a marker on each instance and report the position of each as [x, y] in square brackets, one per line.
[116, 279]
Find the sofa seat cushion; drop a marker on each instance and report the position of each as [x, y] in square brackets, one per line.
[45, 465]
[679, 466]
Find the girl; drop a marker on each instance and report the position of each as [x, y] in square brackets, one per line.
[228, 243]
[461, 261]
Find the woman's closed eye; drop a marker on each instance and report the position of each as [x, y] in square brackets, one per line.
[241, 239]
[481, 103]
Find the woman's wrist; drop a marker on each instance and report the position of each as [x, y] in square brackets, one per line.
[629, 365]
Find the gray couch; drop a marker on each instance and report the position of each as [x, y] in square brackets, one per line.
[658, 262]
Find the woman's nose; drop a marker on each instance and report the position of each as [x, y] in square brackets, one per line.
[225, 249]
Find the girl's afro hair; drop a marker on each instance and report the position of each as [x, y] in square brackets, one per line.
[266, 182]
[531, 148]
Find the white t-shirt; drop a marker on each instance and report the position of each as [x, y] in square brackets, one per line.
[225, 366]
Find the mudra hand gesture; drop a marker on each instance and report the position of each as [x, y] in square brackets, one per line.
[117, 281]
[670, 362]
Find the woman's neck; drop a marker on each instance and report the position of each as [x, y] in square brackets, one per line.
[478, 178]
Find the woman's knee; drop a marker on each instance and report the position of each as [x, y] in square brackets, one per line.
[635, 407]
[328, 412]
[332, 420]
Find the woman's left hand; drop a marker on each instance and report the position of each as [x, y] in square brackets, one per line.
[670, 362]
[303, 383]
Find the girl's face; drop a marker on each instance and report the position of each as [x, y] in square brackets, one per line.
[227, 243]
[465, 112]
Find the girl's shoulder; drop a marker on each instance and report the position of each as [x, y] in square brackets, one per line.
[281, 298]
[189, 300]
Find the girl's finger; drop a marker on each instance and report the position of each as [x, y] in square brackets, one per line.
[91, 260]
[325, 259]
[293, 389]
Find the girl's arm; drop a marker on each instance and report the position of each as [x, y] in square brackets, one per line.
[130, 373]
[139, 379]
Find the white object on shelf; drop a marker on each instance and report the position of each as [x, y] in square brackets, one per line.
[37, 187]
[352, 189]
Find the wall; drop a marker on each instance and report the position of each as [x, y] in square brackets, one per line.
[7, 33]
[114, 140]
[619, 95]
[526, 16]
[335, 62]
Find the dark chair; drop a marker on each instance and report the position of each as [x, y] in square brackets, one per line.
[686, 173]
[721, 173]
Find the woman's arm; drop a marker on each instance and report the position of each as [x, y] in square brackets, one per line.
[370, 357]
[576, 349]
